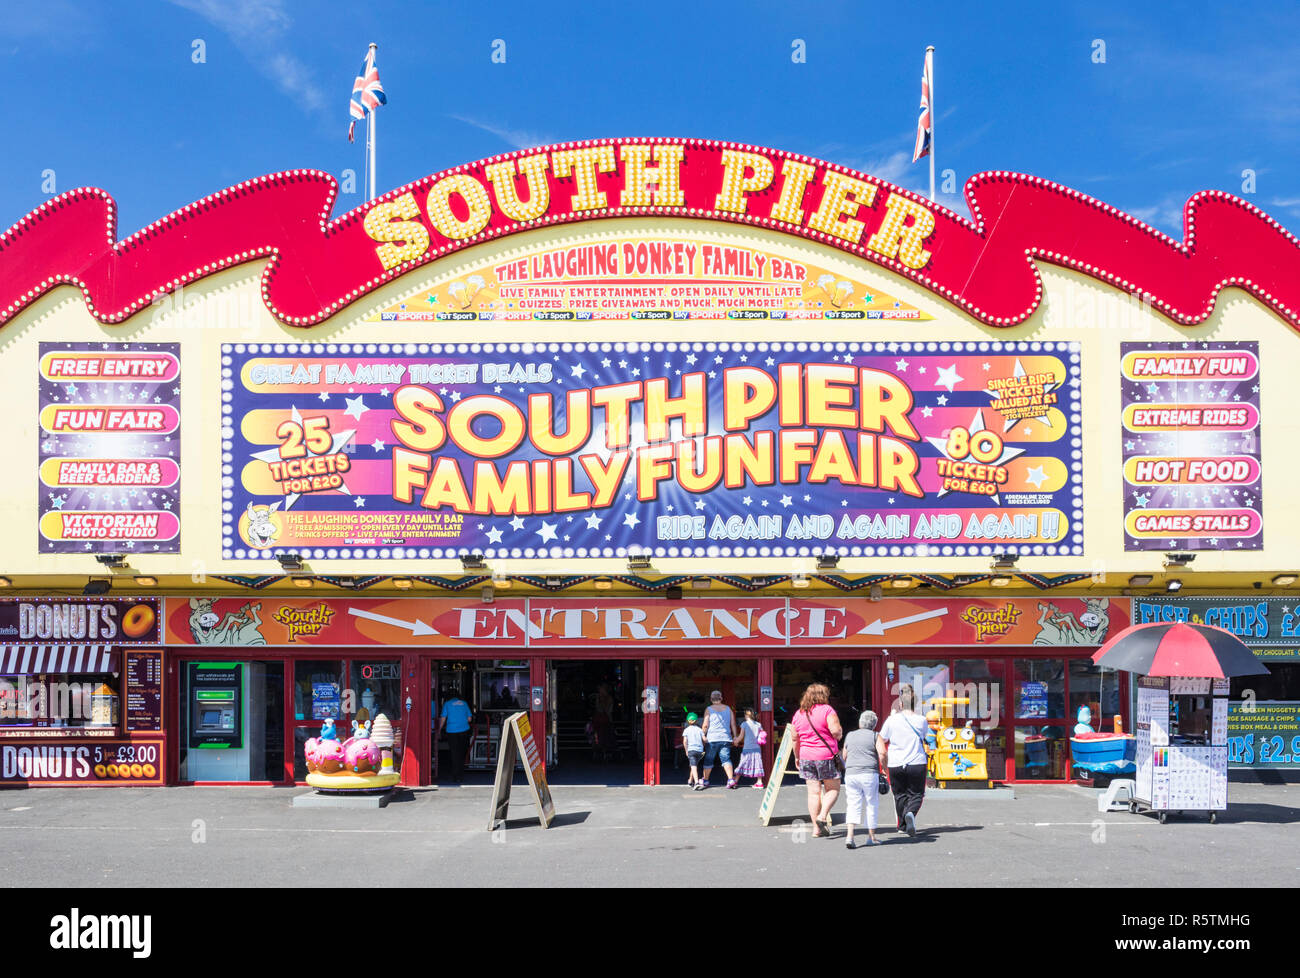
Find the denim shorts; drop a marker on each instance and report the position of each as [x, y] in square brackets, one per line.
[719, 750]
[693, 757]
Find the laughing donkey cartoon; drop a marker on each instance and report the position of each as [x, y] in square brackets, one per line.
[236, 628]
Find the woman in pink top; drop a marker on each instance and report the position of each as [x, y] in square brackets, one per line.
[817, 732]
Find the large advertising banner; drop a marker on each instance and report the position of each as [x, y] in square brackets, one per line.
[646, 279]
[109, 450]
[1191, 452]
[672, 449]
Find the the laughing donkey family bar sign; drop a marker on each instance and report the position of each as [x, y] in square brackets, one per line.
[317, 266]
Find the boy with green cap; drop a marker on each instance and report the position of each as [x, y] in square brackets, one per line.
[693, 741]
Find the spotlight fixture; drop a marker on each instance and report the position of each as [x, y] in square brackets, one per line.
[5, 582]
[602, 584]
[799, 580]
[555, 583]
[1173, 585]
[290, 562]
[1282, 580]
[114, 561]
[875, 592]
[146, 581]
[901, 582]
[673, 592]
[1005, 561]
[402, 583]
[1179, 560]
[502, 582]
[1140, 580]
[472, 562]
[300, 581]
[999, 580]
[488, 595]
[827, 561]
[97, 585]
[701, 583]
[638, 562]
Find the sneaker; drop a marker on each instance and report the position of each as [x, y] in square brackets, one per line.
[699, 785]
[732, 784]
[758, 783]
[911, 824]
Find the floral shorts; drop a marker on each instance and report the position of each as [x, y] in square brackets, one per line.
[823, 770]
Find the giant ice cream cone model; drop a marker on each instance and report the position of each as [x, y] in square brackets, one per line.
[353, 765]
[382, 736]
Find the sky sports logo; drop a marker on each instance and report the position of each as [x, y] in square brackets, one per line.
[102, 932]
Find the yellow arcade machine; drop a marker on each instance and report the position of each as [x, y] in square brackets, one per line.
[955, 758]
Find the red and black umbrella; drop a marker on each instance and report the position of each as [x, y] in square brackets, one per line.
[1179, 649]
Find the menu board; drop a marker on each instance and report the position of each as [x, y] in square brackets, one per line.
[143, 691]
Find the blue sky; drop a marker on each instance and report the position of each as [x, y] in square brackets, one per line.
[1188, 97]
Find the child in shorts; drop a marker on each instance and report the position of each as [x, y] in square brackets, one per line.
[693, 742]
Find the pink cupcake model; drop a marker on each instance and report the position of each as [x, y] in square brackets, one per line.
[362, 754]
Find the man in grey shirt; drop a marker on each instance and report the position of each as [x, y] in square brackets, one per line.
[862, 777]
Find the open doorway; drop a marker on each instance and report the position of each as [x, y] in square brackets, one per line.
[685, 687]
[595, 719]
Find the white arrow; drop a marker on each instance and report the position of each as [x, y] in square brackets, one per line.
[878, 627]
[416, 627]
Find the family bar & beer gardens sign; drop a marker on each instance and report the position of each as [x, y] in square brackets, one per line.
[316, 266]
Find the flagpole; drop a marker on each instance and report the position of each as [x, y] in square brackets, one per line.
[929, 54]
[370, 144]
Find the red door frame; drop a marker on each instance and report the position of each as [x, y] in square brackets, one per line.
[1006, 656]
[178, 656]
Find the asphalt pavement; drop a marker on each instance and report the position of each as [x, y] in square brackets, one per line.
[632, 836]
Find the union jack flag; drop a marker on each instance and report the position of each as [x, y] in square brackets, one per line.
[924, 129]
[367, 93]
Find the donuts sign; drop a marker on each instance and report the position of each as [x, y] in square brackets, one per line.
[108, 620]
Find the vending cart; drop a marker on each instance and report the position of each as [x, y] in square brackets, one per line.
[1182, 745]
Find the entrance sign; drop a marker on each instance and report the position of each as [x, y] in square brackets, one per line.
[690, 449]
[784, 754]
[517, 741]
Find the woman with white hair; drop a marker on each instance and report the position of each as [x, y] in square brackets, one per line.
[862, 777]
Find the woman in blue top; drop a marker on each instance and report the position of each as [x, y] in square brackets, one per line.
[455, 720]
[719, 733]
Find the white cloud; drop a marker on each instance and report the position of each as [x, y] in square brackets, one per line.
[259, 29]
[515, 138]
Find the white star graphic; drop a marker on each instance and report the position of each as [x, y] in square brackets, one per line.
[494, 535]
[517, 523]
[948, 377]
[1036, 477]
[547, 532]
[593, 521]
[356, 407]
[631, 520]
[377, 445]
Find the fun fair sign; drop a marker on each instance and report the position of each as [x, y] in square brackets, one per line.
[316, 266]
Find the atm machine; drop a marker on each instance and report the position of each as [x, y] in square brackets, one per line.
[215, 722]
